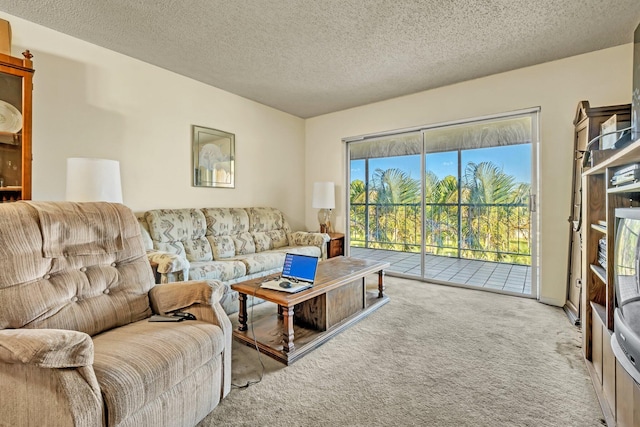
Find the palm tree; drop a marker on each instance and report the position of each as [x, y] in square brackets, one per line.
[485, 226]
[392, 186]
[441, 212]
[495, 216]
[487, 183]
[357, 218]
[357, 192]
[521, 222]
[397, 197]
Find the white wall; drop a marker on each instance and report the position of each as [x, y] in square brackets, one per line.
[602, 78]
[93, 102]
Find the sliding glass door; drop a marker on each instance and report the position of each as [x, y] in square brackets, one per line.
[450, 203]
[385, 194]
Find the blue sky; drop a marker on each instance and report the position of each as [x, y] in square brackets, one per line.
[514, 160]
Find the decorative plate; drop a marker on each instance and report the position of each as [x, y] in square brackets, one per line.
[10, 118]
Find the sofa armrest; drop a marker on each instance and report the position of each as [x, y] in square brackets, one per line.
[169, 263]
[46, 348]
[215, 314]
[304, 238]
[202, 299]
[180, 296]
[48, 378]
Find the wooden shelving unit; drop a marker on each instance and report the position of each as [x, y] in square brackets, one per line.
[617, 391]
[623, 157]
[16, 85]
[629, 188]
[588, 122]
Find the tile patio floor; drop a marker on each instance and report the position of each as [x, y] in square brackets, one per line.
[511, 278]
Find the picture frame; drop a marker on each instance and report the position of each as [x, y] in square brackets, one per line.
[213, 153]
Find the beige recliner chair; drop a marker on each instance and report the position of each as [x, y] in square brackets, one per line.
[76, 344]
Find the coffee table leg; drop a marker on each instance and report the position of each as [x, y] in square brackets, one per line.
[287, 329]
[242, 312]
[380, 283]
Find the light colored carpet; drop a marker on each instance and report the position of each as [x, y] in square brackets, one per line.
[433, 356]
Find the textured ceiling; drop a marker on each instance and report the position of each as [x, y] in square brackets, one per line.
[310, 57]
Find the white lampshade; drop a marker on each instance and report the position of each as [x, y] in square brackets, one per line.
[324, 195]
[93, 180]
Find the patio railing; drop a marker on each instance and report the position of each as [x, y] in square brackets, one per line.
[495, 232]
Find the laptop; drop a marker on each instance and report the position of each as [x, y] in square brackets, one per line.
[298, 273]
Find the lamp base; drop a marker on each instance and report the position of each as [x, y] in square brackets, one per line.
[324, 216]
[326, 228]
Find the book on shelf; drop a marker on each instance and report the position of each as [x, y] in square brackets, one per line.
[602, 252]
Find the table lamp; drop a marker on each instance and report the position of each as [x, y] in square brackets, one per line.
[93, 180]
[325, 200]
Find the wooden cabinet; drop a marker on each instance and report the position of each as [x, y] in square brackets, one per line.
[599, 203]
[588, 121]
[627, 399]
[16, 84]
[596, 344]
[335, 246]
[617, 391]
[608, 371]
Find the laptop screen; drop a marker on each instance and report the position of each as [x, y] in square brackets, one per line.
[300, 267]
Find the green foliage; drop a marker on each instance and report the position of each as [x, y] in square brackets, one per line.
[392, 186]
[357, 191]
[483, 217]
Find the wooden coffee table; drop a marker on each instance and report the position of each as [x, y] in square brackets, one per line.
[306, 319]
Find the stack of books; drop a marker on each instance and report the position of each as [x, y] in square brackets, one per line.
[602, 252]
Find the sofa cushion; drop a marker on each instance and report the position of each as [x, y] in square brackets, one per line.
[278, 238]
[100, 281]
[302, 250]
[217, 270]
[180, 231]
[262, 242]
[244, 243]
[225, 231]
[262, 261]
[268, 240]
[133, 370]
[175, 248]
[222, 246]
[144, 231]
[186, 404]
[269, 228]
[226, 221]
[266, 219]
[198, 249]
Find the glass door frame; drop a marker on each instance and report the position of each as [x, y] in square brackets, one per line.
[534, 114]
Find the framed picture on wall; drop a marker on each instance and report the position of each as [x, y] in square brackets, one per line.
[213, 157]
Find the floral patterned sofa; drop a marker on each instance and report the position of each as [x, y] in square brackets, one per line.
[226, 244]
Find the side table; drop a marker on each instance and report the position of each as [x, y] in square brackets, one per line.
[335, 246]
